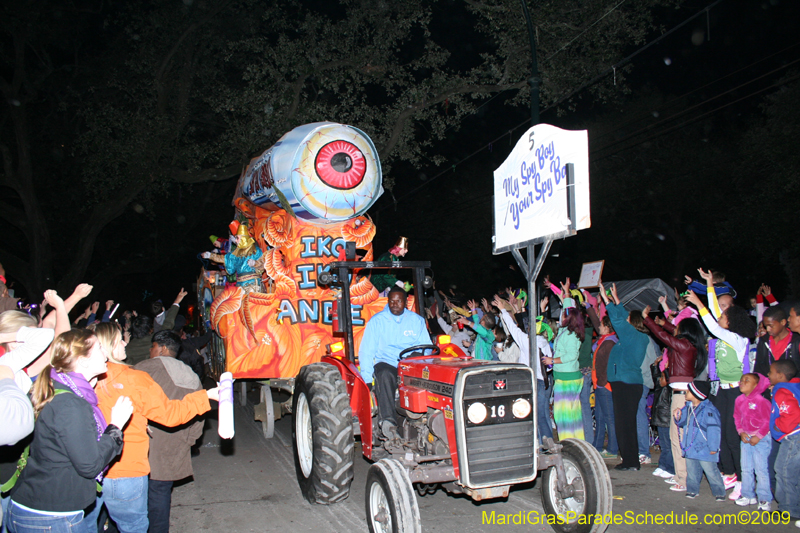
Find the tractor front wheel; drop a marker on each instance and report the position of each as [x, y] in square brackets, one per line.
[322, 433]
[391, 503]
[586, 471]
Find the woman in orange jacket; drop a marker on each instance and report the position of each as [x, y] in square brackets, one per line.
[125, 485]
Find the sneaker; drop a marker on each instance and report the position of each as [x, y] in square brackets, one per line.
[691, 496]
[670, 480]
[764, 506]
[744, 501]
[720, 498]
[664, 474]
[729, 481]
[797, 523]
[644, 460]
[737, 492]
[678, 488]
[658, 472]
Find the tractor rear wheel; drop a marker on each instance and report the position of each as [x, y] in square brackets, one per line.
[322, 433]
[587, 473]
[390, 499]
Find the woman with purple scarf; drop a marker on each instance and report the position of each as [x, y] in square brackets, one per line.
[72, 443]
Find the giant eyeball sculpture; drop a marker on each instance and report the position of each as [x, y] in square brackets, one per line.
[323, 173]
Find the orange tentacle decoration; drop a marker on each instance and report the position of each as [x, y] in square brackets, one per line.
[360, 230]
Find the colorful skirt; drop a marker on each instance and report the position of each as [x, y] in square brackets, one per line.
[567, 408]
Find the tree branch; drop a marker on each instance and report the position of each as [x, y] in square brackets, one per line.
[403, 118]
[209, 174]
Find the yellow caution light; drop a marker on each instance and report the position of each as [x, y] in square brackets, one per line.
[336, 348]
[443, 339]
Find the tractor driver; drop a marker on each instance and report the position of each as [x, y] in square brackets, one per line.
[388, 333]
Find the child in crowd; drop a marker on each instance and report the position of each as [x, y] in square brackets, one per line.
[784, 424]
[700, 441]
[751, 416]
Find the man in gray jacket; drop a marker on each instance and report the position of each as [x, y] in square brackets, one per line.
[170, 448]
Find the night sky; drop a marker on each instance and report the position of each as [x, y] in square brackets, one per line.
[669, 142]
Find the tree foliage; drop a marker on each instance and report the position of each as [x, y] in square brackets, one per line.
[157, 93]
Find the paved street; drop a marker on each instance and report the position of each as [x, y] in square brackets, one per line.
[250, 485]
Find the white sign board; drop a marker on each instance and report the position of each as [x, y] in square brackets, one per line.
[591, 273]
[530, 187]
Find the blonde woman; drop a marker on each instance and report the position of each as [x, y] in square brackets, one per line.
[125, 485]
[72, 443]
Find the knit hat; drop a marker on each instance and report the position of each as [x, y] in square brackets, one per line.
[700, 389]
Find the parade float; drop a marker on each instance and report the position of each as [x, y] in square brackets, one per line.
[298, 205]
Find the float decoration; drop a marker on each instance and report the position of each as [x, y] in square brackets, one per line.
[304, 199]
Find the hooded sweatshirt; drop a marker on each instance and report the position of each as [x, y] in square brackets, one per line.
[751, 411]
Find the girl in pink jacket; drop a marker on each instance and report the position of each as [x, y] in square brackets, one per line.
[751, 417]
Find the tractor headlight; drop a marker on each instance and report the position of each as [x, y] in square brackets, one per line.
[477, 413]
[521, 408]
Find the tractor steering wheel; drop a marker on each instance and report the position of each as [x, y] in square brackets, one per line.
[421, 347]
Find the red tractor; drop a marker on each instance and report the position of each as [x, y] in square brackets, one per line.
[468, 426]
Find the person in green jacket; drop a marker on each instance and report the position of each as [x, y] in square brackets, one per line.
[382, 282]
[484, 328]
[566, 372]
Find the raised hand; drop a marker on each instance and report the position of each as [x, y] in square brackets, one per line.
[687, 280]
[614, 293]
[706, 275]
[646, 311]
[181, 295]
[109, 305]
[52, 298]
[662, 300]
[498, 302]
[472, 304]
[544, 303]
[767, 290]
[83, 290]
[95, 307]
[693, 299]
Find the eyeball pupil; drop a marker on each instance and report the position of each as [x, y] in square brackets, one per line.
[341, 162]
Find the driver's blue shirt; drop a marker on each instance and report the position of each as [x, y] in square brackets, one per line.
[386, 335]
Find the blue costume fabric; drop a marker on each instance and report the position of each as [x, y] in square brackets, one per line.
[719, 288]
[238, 265]
[386, 335]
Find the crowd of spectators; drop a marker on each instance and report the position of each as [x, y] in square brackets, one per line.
[86, 407]
[711, 384]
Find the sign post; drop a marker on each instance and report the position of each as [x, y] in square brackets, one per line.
[541, 193]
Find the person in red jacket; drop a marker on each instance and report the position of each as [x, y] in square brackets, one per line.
[687, 355]
[784, 424]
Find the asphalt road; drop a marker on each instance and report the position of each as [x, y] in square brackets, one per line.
[248, 484]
